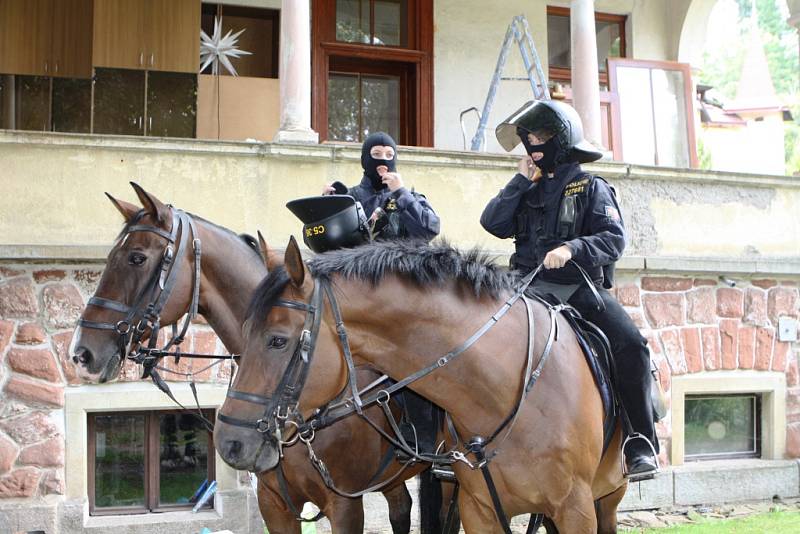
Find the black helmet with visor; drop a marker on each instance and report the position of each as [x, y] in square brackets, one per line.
[546, 120]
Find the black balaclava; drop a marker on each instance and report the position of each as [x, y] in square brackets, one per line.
[553, 153]
[370, 164]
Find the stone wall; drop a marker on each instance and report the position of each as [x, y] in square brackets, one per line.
[39, 305]
[701, 324]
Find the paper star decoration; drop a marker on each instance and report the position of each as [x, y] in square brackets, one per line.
[218, 49]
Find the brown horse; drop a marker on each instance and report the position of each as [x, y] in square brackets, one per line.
[230, 271]
[403, 308]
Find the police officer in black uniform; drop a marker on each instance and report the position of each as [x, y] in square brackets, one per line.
[556, 212]
[394, 212]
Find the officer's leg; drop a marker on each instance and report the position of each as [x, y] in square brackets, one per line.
[633, 379]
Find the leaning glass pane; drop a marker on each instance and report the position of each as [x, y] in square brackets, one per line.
[636, 115]
[352, 21]
[390, 28]
[343, 112]
[183, 461]
[119, 461]
[558, 46]
[380, 103]
[669, 112]
[72, 105]
[608, 42]
[719, 426]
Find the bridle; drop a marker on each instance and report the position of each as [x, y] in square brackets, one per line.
[282, 408]
[144, 315]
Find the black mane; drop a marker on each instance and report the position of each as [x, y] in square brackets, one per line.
[424, 264]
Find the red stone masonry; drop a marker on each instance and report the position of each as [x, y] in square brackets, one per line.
[692, 324]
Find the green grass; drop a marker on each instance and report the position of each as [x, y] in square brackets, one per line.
[769, 523]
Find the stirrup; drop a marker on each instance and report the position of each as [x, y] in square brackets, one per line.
[643, 476]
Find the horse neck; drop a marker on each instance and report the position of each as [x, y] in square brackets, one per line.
[230, 272]
[400, 329]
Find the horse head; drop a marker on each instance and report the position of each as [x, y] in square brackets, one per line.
[291, 364]
[141, 260]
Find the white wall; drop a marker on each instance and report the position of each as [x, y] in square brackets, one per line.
[735, 149]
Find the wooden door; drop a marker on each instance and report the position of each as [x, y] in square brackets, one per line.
[119, 33]
[173, 35]
[72, 39]
[25, 27]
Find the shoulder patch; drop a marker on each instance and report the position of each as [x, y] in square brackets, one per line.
[612, 213]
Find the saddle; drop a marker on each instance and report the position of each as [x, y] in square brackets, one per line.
[597, 351]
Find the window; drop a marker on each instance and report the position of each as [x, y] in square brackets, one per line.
[610, 31]
[261, 37]
[373, 69]
[147, 461]
[722, 426]
[656, 114]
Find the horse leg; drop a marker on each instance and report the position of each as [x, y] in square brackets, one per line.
[278, 518]
[476, 517]
[346, 515]
[606, 508]
[576, 513]
[399, 501]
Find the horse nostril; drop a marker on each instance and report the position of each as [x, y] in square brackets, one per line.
[83, 356]
[233, 449]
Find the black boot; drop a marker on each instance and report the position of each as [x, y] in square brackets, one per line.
[641, 461]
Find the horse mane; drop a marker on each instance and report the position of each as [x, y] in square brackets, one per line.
[426, 265]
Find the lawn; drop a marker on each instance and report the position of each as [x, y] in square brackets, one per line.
[768, 523]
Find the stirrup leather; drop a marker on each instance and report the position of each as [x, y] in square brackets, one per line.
[644, 476]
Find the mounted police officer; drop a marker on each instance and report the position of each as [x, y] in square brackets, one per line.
[394, 211]
[556, 212]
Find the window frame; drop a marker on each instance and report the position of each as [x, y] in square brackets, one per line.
[415, 60]
[564, 74]
[152, 474]
[757, 428]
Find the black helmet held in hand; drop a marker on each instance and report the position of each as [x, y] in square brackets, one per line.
[548, 119]
[330, 222]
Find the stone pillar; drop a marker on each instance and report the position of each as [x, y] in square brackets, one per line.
[295, 74]
[585, 78]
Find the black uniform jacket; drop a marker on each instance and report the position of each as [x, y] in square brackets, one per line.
[570, 208]
[408, 214]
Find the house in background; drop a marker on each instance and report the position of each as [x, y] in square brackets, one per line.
[747, 134]
[94, 93]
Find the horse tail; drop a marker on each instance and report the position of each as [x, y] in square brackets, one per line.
[430, 503]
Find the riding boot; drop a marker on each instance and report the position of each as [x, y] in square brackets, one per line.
[421, 414]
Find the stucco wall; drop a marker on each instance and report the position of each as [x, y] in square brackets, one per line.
[52, 194]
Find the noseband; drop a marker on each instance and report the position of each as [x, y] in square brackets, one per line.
[140, 317]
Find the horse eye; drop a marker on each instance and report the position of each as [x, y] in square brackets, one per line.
[276, 342]
[136, 258]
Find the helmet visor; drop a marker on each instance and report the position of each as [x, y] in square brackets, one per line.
[534, 117]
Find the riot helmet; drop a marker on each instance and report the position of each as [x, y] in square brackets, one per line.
[330, 221]
[558, 128]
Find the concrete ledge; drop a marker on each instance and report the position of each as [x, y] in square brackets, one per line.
[352, 152]
[730, 481]
[715, 482]
[25, 515]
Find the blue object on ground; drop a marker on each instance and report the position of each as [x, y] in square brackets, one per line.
[211, 490]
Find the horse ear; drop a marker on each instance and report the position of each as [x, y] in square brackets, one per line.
[270, 258]
[294, 263]
[127, 209]
[151, 204]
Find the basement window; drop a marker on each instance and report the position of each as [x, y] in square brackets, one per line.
[722, 426]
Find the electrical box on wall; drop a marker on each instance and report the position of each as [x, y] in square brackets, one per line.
[787, 329]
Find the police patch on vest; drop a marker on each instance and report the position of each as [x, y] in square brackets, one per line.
[391, 205]
[578, 186]
[612, 213]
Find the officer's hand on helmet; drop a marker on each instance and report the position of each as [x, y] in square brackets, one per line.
[557, 258]
[527, 169]
[393, 180]
[328, 189]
